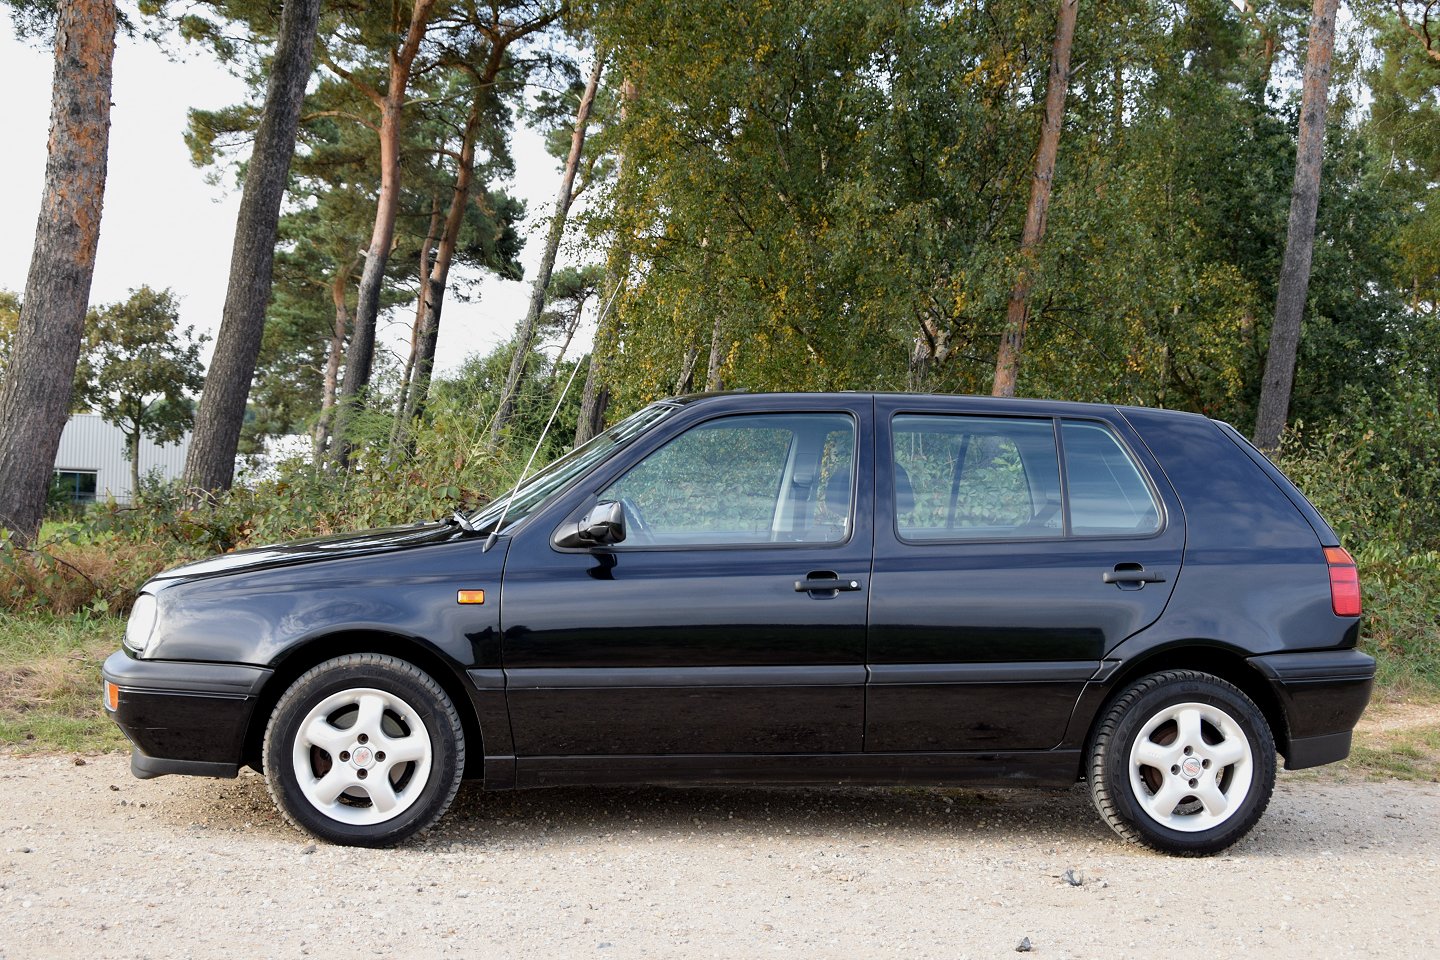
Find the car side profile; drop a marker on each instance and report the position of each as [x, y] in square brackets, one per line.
[843, 588]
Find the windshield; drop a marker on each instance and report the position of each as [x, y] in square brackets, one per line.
[532, 493]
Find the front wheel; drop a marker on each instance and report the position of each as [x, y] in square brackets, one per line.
[364, 750]
[1182, 762]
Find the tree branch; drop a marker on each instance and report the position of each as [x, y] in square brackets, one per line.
[341, 114]
[370, 92]
[1422, 33]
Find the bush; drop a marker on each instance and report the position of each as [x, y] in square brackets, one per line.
[1376, 477]
[98, 561]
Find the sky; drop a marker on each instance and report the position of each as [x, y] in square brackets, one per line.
[166, 226]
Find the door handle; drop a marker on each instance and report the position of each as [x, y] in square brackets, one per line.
[1137, 574]
[825, 585]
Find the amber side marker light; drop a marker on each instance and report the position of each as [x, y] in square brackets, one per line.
[112, 696]
[471, 596]
[1344, 582]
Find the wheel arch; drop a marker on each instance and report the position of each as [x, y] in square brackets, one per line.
[296, 660]
[1206, 656]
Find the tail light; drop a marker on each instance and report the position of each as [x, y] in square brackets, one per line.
[1344, 582]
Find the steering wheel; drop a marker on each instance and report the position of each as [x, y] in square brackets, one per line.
[636, 529]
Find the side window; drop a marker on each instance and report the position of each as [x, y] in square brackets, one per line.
[771, 478]
[975, 478]
[1108, 494]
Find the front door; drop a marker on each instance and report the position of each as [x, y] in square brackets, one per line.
[731, 620]
[1013, 550]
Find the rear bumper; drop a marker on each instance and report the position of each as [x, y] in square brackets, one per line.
[180, 717]
[1323, 694]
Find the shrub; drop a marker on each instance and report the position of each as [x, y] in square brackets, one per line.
[1376, 477]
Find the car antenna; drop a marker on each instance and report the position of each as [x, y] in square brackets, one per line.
[495, 531]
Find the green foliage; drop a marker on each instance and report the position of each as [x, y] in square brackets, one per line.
[9, 327]
[1375, 475]
[139, 366]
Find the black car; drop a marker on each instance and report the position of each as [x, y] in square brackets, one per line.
[800, 588]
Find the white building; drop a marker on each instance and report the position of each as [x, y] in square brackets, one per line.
[91, 461]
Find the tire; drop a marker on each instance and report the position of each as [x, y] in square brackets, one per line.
[1182, 762]
[364, 750]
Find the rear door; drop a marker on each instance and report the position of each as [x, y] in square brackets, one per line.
[1012, 550]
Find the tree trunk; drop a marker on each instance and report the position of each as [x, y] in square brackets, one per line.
[210, 462]
[427, 334]
[712, 370]
[338, 287]
[1017, 313]
[595, 397]
[525, 334]
[361, 354]
[35, 395]
[132, 443]
[685, 382]
[570, 329]
[1300, 235]
[427, 252]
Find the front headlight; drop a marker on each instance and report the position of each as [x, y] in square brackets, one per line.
[141, 624]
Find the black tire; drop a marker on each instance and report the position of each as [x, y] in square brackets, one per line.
[1135, 805]
[404, 709]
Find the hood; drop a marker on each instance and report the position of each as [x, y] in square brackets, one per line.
[354, 544]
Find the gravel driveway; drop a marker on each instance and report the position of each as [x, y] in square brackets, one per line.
[96, 864]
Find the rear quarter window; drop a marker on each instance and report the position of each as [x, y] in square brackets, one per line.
[1107, 493]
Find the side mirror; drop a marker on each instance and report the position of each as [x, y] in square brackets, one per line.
[602, 526]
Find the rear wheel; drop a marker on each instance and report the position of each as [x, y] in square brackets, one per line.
[1182, 762]
[365, 750]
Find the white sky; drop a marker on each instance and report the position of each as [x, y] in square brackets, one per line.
[165, 226]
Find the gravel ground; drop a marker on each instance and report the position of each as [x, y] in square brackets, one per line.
[96, 864]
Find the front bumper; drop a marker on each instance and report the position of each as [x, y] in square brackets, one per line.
[183, 717]
[1323, 693]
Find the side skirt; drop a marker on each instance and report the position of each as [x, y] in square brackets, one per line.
[1030, 768]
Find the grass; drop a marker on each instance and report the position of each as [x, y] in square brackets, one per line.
[1398, 738]
[50, 683]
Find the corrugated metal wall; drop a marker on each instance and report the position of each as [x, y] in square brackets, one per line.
[91, 444]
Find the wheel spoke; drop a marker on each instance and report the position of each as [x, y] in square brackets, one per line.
[1152, 754]
[1163, 803]
[382, 794]
[1232, 750]
[1188, 722]
[325, 735]
[372, 709]
[405, 749]
[329, 787]
[1214, 799]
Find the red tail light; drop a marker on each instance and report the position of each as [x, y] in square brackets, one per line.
[1344, 582]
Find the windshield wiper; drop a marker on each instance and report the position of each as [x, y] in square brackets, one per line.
[460, 520]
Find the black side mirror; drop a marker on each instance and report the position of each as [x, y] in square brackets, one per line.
[602, 526]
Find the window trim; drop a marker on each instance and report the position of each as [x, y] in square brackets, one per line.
[1056, 422]
[593, 497]
[1161, 516]
[76, 498]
